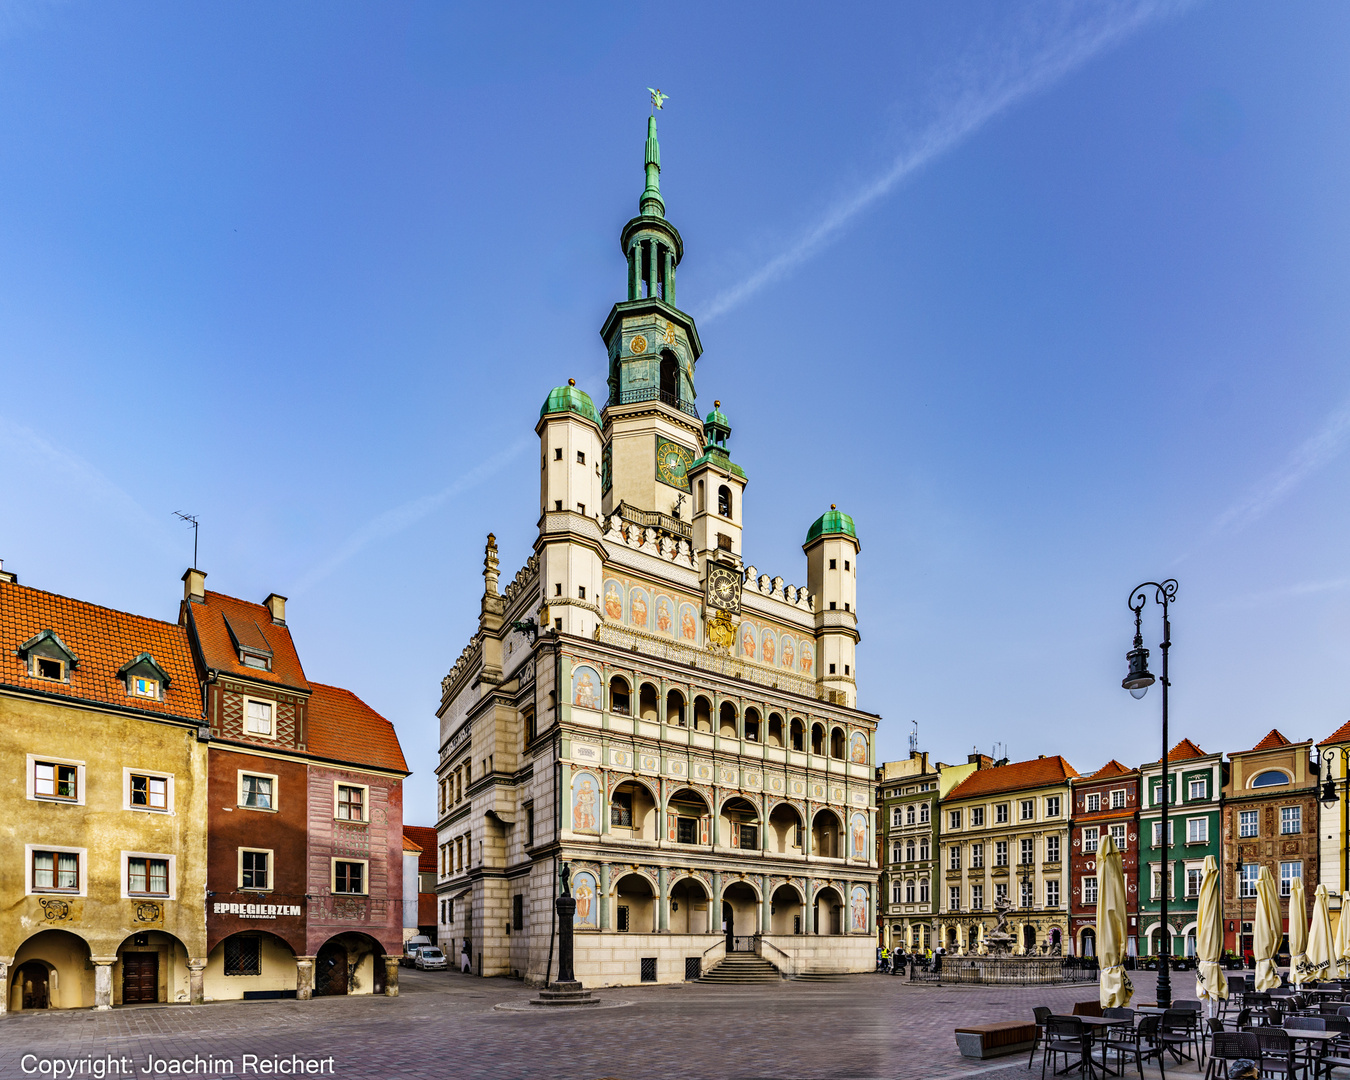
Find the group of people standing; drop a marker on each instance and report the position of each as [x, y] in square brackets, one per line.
[894, 961]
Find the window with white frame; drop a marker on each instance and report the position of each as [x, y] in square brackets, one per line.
[351, 802]
[909, 892]
[1193, 874]
[1000, 853]
[1197, 830]
[977, 897]
[909, 851]
[923, 849]
[977, 817]
[1052, 894]
[897, 816]
[147, 791]
[1028, 851]
[1026, 894]
[147, 875]
[1249, 822]
[1157, 833]
[1000, 891]
[1092, 802]
[349, 876]
[1052, 806]
[1247, 881]
[1052, 849]
[954, 819]
[954, 898]
[924, 813]
[923, 891]
[1118, 797]
[1291, 820]
[1028, 809]
[954, 857]
[1199, 788]
[1090, 839]
[1118, 836]
[258, 718]
[1089, 890]
[1288, 872]
[909, 814]
[56, 870]
[897, 890]
[257, 791]
[976, 856]
[896, 851]
[59, 781]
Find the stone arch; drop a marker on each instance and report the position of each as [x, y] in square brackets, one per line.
[1087, 941]
[827, 833]
[776, 734]
[787, 909]
[690, 906]
[786, 825]
[633, 805]
[272, 955]
[837, 743]
[151, 968]
[741, 907]
[649, 702]
[827, 916]
[818, 739]
[675, 708]
[620, 695]
[702, 713]
[64, 956]
[752, 725]
[797, 734]
[727, 720]
[635, 895]
[741, 823]
[349, 963]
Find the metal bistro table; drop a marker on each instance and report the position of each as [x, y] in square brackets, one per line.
[1096, 1024]
[1311, 1038]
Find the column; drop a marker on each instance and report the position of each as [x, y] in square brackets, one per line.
[391, 976]
[103, 981]
[806, 833]
[715, 905]
[662, 900]
[809, 922]
[634, 275]
[4, 987]
[655, 249]
[196, 980]
[670, 278]
[871, 909]
[766, 919]
[604, 896]
[304, 977]
[602, 800]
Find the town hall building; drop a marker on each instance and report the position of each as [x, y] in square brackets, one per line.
[644, 705]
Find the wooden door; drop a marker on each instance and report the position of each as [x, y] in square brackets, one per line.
[140, 977]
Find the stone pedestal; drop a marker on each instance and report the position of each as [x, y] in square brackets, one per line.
[566, 990]
[391, 976]
[103, 981]
[304, 977]
[196, 980]
[565, 993]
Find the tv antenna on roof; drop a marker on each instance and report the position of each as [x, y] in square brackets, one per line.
[191, 519]
[914, 738]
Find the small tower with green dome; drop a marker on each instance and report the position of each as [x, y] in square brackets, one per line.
[569, 505]
[718, 485]
[832, 576]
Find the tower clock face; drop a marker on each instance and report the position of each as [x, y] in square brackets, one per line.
[724, 589]
[672, 463]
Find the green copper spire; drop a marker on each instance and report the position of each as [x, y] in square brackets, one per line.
[651, 204]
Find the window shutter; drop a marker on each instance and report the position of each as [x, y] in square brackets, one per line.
[703, 828]
[735, 834]
[670, 825]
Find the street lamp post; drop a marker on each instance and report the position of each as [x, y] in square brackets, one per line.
[1328, 799]
[1137, 683]
[1242, 908]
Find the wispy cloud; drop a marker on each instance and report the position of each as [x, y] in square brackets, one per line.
[1053, 42]
[1291, 592]
[394, 521]
[1322, 447]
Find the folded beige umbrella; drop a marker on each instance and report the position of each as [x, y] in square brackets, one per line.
[1342, 956]
[1320, 958]
[1115, 988]
[1299, 971]
[1210, 981]
[1266, 933]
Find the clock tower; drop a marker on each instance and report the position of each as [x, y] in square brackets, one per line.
[651, 431]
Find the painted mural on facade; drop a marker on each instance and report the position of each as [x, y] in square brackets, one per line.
[585, 801]
[664, 614]
[858, 910]
[587, 896]
[585, 687]
[775, 648]
[857, 751]
[858, 832]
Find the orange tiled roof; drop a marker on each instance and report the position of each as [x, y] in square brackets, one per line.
[1273, 741]
[1341, 734]
[213, 621]
[1019, 774]
[408, 845]
[1110, 769]
[342, 727]
[427, 839]
[1184, 751]
[103, 640]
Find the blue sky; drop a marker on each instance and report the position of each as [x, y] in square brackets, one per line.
[1052, 298]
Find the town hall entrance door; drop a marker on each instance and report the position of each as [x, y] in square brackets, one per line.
[729, 925]
[140, 978]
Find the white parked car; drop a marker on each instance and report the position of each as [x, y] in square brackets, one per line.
[430, 958]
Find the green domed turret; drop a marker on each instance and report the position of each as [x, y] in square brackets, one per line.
[833, 522]
[569, 399]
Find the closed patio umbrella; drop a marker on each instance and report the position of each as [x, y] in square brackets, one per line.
[1299, 971]
[1266, 938]
[1115, 989]
[1342, 957]
[1320, 958]
[1210, 982]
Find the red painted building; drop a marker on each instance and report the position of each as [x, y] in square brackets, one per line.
[1104, 804]
[425, 840]
[305, 819]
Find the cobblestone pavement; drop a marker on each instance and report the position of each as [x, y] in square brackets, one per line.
[444, 1025]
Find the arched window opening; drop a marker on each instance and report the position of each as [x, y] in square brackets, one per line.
[670, 378]
[775, 730]
[724, 501]
[675, 708]
[618, 695]
[752, 725]
[909, 851]
[726, 721]
[798, 734]
[632, 809]
[785, 830]
[702, 714]
[648, 701]
[837, 743]
[740, 824]
[825, 831]
[1270, 778]
[818, 738]
[698, 498]
[634, 905]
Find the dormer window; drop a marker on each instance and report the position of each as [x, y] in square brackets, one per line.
[144, 678]
[145, 688]
[253, 660]
[250, 641]
[46, 657]
[46, 668]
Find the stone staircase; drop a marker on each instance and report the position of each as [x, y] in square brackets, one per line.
[820, 976]
[741, 969]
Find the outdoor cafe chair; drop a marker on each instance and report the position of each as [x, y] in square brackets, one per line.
[1041, 1015]
[1118, 1014]
[1140, 1043]
[1278, 1048]
[1067, 1035]
[1179, 1031]
[1230, 1046]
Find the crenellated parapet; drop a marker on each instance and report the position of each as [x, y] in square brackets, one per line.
[458, 668]
[796, 595]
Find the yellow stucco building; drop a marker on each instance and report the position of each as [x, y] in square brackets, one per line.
[102, 835]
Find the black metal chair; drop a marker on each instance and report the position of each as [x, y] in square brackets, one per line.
[1118, 1014]
[1041, 1014]
[1140, 1044]
[1230, 1046]
[1067, 1035]
[1178, 1032]
[1278, 1048]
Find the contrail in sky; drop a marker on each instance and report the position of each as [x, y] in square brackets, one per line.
[401, 517]
[1023, 67]
[1321, 448]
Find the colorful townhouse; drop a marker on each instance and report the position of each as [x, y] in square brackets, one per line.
[1104, 804]
[1195, 782]
[1270, 818]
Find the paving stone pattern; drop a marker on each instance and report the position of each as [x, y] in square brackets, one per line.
[444, 1026]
